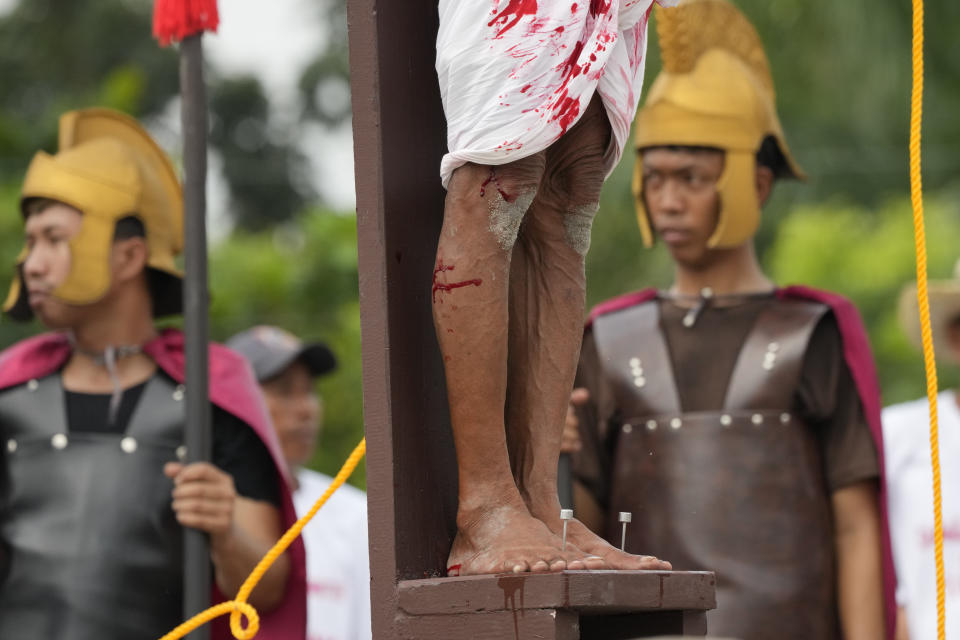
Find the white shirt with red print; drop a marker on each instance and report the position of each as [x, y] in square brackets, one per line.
[906, 443]
[515, 75]
[338, 569]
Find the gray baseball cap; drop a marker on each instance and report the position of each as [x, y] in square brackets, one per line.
[270, 350]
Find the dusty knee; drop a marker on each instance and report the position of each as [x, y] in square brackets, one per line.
[507, 214]
[509, 190]
[504, 191]
[577, 222]
[561, 225]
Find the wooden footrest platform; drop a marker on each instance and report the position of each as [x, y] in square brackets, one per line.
[612, 605]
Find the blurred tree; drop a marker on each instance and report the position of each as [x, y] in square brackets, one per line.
[301, 276]
[325, 83]
[11, 241]
[57, 55]
[869, 256]
[843, 73]
[267, 175]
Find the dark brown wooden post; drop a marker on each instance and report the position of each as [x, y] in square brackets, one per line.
[399, 138]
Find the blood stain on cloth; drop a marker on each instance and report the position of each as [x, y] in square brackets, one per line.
[508, 146]
[512, 14]
[598, 7]
[566, 110]
[570, 69]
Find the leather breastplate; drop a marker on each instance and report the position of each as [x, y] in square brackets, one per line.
[740, 491]
[95, 550]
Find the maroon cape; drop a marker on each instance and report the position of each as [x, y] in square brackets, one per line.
[233, 389]
[856, 352]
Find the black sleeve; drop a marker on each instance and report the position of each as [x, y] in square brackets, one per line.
[239, 451]
[830, 401]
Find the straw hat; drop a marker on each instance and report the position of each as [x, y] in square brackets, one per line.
[944, 309]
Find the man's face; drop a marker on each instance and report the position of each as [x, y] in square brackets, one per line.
[296, 412]
[680, 193]
[48, 234]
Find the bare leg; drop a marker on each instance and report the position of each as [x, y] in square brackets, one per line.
[547, 291]
[495, 531]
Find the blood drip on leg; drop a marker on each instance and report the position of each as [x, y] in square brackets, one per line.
[492, 178]
[441, 287]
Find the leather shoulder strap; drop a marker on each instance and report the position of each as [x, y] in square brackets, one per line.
[635, 360]
[768, 368]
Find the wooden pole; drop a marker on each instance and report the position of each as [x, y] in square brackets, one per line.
[193, 114]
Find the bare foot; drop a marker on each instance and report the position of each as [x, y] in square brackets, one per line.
[507, 539]
[587, 541]
[591, 543]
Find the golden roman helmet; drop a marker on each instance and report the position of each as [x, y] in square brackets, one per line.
[108, 167]
[715, 90]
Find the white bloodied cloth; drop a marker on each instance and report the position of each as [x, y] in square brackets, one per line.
[515, 75]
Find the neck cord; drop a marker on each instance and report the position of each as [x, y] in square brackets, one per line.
[108, 359]
[706, 298]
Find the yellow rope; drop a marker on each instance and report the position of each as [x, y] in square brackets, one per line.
[916, 197]
[238, 607]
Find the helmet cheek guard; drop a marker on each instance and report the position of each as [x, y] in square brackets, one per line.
[16, 303]
[643, 218]
[739, 208]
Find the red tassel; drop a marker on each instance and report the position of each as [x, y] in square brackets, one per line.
[174, 20]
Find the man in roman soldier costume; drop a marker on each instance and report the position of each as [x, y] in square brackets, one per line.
[92, 415]
[736, 420]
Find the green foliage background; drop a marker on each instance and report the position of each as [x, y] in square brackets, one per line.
[843, 75]
[303, 277]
